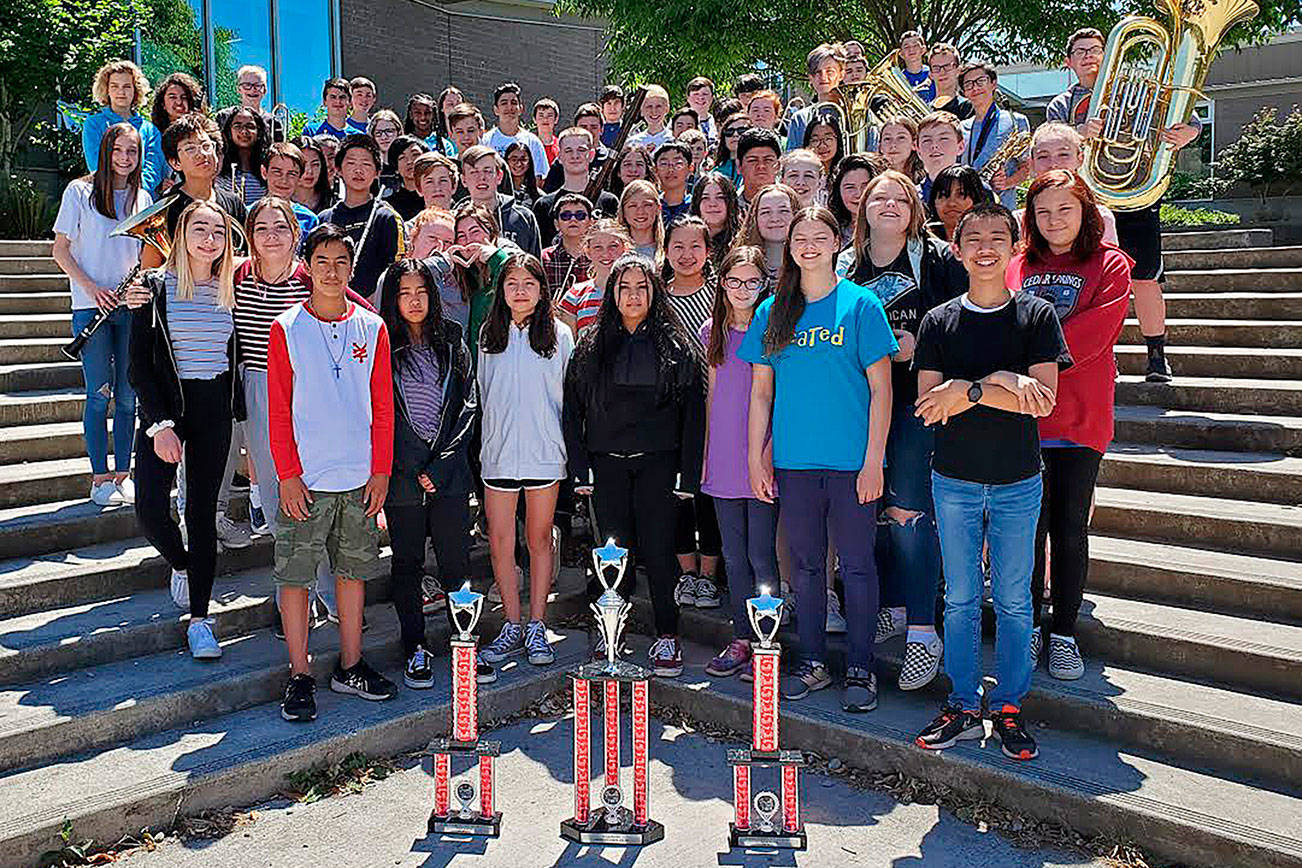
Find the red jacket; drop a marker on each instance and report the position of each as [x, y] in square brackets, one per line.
[1091, 299]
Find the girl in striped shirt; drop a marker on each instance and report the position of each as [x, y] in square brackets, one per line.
[605, 242]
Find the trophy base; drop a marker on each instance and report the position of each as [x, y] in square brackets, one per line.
[595, 831]
[620, 670]
[778, 838]
[476, 826]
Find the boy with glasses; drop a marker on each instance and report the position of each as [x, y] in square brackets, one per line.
[251, 82]
[508, 108]
[944, 64]
[673, 166]
[826, 68]
[1140, 232]
[336, 99]
[566, 262]
[574, 160]
[989, 127]
[192, 147]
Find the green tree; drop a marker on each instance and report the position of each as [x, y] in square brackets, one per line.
[670, 41]
[1267, 156]
[50, 49]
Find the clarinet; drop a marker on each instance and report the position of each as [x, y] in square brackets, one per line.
[73, 348]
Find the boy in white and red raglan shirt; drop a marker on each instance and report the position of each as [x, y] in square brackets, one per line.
[330, 419]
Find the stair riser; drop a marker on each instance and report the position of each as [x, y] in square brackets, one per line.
[1240, 280]
[1248, 483]
[1222, 534]
[1218, 239]
[26, 492]
[1212, 306]
[1195, 590]
[44, 448]
[1215, 399]
[26, 248]
[64, 409]
[62, 376]
[1250, 365]
[28, 265]
[44, 328]
[1229, 438]
[35, 303]
[1276, 334]
[1260, 257]
[31, 354]
[255, 782]
[20, 283]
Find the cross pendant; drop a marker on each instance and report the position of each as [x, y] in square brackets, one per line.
[336, 367]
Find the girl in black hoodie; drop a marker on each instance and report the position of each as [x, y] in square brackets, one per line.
[634, 418]
[435, 401]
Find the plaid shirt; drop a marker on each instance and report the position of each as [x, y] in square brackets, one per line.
[562, 269]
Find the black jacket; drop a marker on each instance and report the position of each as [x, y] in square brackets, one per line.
[444, 460]
[152, 364]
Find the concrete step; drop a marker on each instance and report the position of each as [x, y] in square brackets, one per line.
[1231, 432]
[93, 573]
[41, 408]
[28, 265]
[25, 248]
[39, 376]
[44, 481]
[1234, 305]
[1289, 256]
[1247, 527]
[35, 325]
[1222, 333]
[36, 302]
[1216, 239]
[1248, 279]
[1219, 394]
[241, 758]
[46, 442]
[1261, 477]
[1252, 362]
[27, 351]
[18, 284]
[1082, 780]
[1268, 589]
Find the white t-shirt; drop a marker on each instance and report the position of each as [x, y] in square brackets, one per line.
[104, 260]
[500, 141]
[650, 141]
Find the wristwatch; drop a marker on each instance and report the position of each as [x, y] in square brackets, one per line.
[974, 392]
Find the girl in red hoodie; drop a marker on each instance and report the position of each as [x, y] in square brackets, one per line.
[1067, 263]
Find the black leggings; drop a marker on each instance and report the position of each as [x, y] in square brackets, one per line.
[205, 432]
[643, 486]
[697, 528]
[1069, 476]
[445, 519]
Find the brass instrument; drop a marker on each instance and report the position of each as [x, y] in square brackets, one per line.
[149, 226]
[1148, 81]
[1014, 147]
[890, 93]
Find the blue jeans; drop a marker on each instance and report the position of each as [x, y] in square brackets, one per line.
[908, 555]
[1005, 516]
[812, 502]
[104, 366]
[748, 529]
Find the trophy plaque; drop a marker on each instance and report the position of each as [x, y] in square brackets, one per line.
[764, 818]
[461, 807]
[614, 821]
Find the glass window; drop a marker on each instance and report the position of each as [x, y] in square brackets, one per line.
[305, 47]
[241, 34]
[172, 41]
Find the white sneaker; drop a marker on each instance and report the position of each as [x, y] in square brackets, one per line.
[835, 620]
[181, 590]
[891, 622]
[202, 642]
[126, 490]
[685, 591]
[232, 535]
[104, 493]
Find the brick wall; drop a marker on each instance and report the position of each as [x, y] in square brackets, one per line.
[407, 46]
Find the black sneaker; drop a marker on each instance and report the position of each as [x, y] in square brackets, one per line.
[299, 704]
[239, 482]
[318, 614]
[860, 690]
[1159, 369]
[361, 680]
[950, 726]
[1015, 740]
[419, 674]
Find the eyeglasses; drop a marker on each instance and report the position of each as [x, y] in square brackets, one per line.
[1095, 51]
[671, 165]
[386, 131]
[567, 216]
[753, 284]
[975, 81]
[943, 67]
[207, 146]
[252, 85]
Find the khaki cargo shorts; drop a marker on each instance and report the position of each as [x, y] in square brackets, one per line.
[337, 526]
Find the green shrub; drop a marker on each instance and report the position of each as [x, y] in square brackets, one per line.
[25, 211]
[1175, 215]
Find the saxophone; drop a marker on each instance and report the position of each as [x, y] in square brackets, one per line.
[1149, 80]
[1012, 148]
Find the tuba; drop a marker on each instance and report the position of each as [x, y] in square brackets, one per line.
[889, 92]
[149, 226]
[1148, 80]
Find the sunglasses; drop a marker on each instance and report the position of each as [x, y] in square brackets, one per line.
[572, 215]
[735, 131]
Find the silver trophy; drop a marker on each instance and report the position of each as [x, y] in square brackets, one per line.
[765, 613]
[465, 606]
[611, 610]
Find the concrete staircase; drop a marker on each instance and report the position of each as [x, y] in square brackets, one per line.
[1183, 736]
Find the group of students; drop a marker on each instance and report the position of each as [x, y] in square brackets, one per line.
[853, 377]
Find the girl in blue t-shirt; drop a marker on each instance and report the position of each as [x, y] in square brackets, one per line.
[821, 349]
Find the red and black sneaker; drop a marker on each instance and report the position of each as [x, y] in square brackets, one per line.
[952, 725]
[1016, 741]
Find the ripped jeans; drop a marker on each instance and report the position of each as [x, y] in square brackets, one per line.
[908, 553]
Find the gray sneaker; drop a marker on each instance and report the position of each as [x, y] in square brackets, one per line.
[233, 535]
[860, 690]
[509, 641]
[536, 644]
[835, 620]
[1065, 662]
[707, 593]
[807, 678]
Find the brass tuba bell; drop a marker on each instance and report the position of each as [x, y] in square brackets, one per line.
[1149, 80]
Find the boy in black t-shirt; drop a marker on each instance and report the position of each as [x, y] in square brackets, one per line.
[376, 229]
[987, 365]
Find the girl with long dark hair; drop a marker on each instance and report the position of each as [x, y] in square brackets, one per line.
[1067, 263]
[821, 351]
[400, 169]
[846, 189]
[520, 168]
[715, 200]
[725, 156]
[633, 424]
[176, 96]
[314, 191]
[245, 140]
[825, 138]
[523, 353]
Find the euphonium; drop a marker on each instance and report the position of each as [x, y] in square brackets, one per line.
[889, 92]
[1149, 80]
